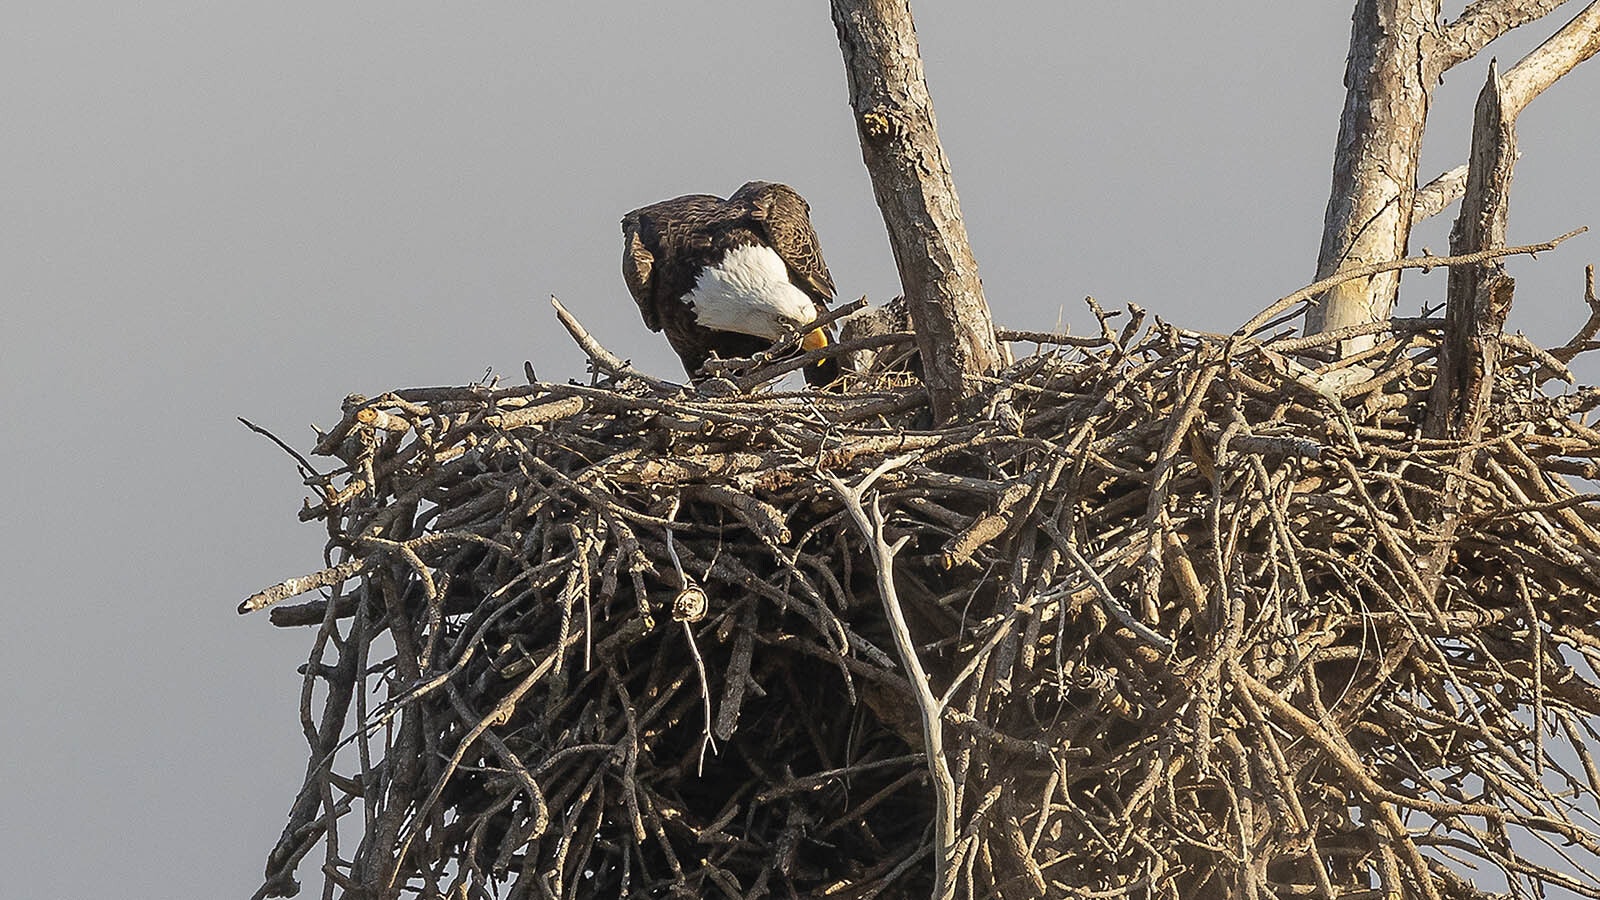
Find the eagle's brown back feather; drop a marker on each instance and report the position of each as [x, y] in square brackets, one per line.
[785, 218]
[666, 245]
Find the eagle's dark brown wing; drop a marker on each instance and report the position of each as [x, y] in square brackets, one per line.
[785, 217]
[666, 246]
[655, 234]
[637, 266]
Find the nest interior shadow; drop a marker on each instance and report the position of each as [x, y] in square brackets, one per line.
[1194, 613]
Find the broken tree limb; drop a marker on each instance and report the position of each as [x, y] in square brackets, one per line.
[1478, 298]
[294, 587]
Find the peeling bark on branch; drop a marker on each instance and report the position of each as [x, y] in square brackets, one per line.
[912, 183]
[1482, 22]
[1575, 42]
[1434, 196]
[1398, 53]
[1578, 40]
[1375, 164]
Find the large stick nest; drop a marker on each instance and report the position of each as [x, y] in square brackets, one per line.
[1203, 621]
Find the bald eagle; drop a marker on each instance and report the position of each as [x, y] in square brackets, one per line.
[729, 277]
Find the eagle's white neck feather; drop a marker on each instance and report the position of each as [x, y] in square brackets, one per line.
[749, 292]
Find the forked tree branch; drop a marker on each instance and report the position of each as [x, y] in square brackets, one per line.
[931, 711]
[1575, 42]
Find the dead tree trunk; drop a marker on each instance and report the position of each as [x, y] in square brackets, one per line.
[1479, 296]
[1478, 301]
[1375, 163]
[1398, 53]
[912, 183]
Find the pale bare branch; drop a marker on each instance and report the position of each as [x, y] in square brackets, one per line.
[1578, 40]
[1433, 197]
[603, 359]
[870, 524]
[1480, 24]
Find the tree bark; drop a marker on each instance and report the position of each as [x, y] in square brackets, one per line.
[912, 183]
[1578, 40]
[1478, 300]
[1375, 162]
[1481, 22]
[1398, 52]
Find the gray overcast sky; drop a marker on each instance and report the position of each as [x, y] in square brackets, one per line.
[216, 208]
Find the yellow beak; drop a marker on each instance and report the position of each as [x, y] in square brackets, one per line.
[814, 340]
